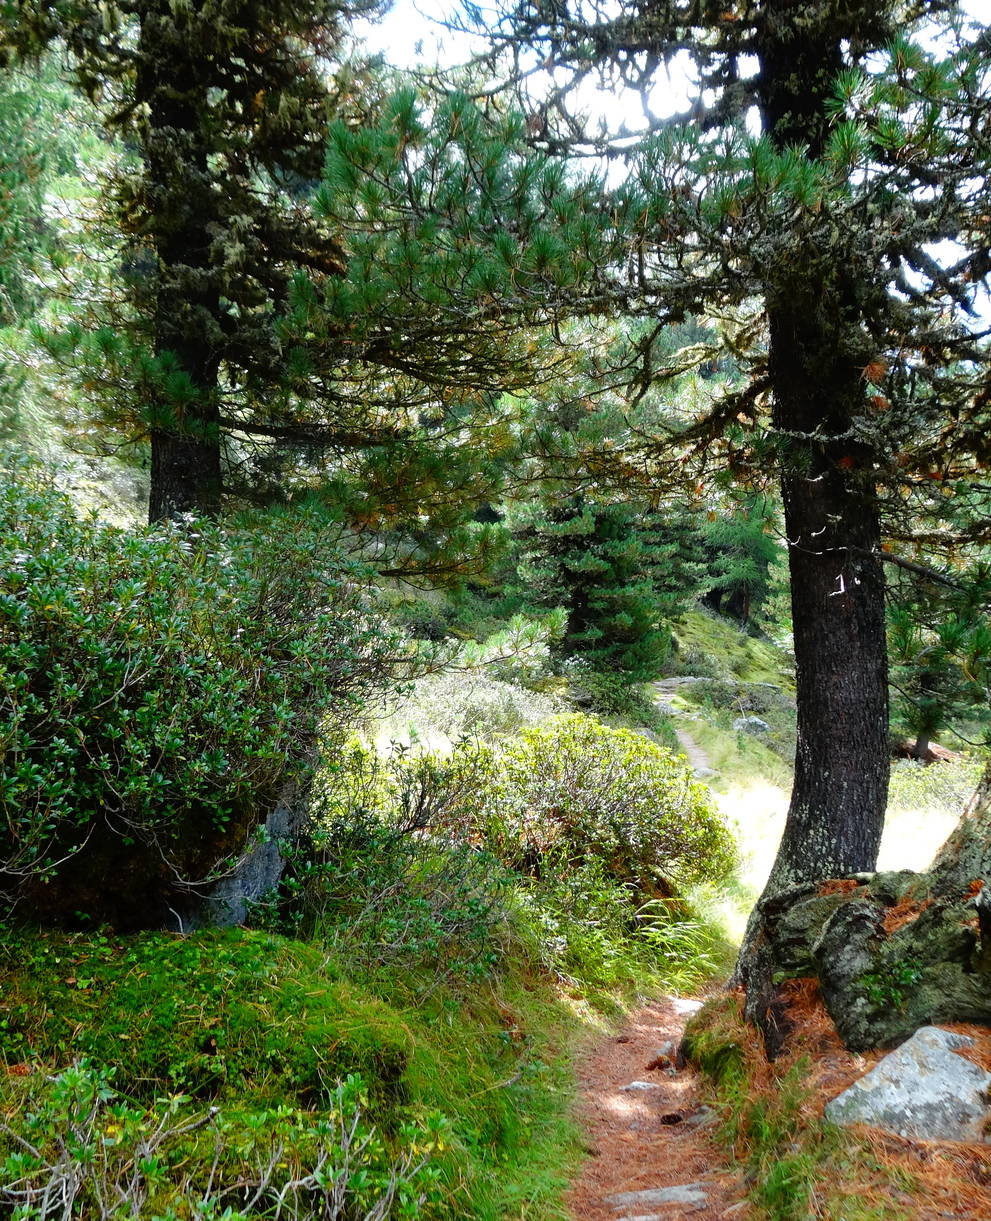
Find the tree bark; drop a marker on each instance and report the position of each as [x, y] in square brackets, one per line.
[184, 416]
[816, 303]
[818, 346]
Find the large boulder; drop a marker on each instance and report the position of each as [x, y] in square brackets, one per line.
[924, 1090]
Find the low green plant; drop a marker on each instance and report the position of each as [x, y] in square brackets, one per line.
[465, 704]
[82, 1149]
[158, 689]
[260, 1026]
[382, 894]
[577, 790]
[217, 1015]
[888, 989]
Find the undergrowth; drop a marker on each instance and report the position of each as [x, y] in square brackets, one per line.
[232, 1044]
[798, 1165]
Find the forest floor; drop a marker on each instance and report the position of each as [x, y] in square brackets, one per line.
[652, 1152]
[649, 1138]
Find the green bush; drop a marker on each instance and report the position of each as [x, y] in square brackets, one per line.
[576, 790]
[82, 1149]
[380, 883]
[157, 691]
[462, 704]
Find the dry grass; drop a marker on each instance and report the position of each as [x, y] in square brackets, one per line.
[852, 1174]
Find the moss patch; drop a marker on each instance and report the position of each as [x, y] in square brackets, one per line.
[730, 652]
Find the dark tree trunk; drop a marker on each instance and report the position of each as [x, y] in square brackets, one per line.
[184, 416]
[818, 347]
[841, 765]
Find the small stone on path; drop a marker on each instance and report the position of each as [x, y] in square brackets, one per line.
[684, 1193]
[638, 1086]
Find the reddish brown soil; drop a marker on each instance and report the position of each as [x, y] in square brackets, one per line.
[646, 1139]
[632, 1148]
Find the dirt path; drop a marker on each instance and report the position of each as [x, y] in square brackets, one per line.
[694, 753]
[651, 1154]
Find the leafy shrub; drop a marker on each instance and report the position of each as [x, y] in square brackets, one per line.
[941, 787]
[378, 880]
[575, 790]
[82, 1149]
[594, 932]
[157, 690]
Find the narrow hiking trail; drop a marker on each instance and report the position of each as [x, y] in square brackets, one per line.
[651, 1154]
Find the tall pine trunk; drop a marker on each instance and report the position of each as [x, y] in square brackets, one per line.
[819, 346]
[185, 433]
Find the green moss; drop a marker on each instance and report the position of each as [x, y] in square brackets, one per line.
[219, 1014]
[260, 1025]
[729, 651]
[712, 1040]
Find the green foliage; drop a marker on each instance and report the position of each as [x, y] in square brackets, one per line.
[379, 880]
[576, 791]
[465, 704]
[614, 571]
[262, 1028]
[159, 689]
[217, 1015]
[939, 645]
[887, 989]
[744, 558]
[942, 788]
[83, 1149]
[436, 864]
[611, 694]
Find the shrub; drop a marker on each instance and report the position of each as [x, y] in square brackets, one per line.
[380, 882]
[577, 790]
[83, 1149]
[157, 691]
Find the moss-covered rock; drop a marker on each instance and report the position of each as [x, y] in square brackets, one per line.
[216, 1014]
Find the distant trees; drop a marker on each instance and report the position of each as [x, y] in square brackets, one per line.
[620, 570]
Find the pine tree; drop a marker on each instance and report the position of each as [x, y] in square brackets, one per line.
[617, 569]
[816, 235]
[225, 107]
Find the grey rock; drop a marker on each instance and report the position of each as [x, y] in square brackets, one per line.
[752, 725]
[922, 1091]
[256, 873]
[668, 1048]
[639, 1087]
[703, 1117]
[684, 1004]
[685, 1193]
